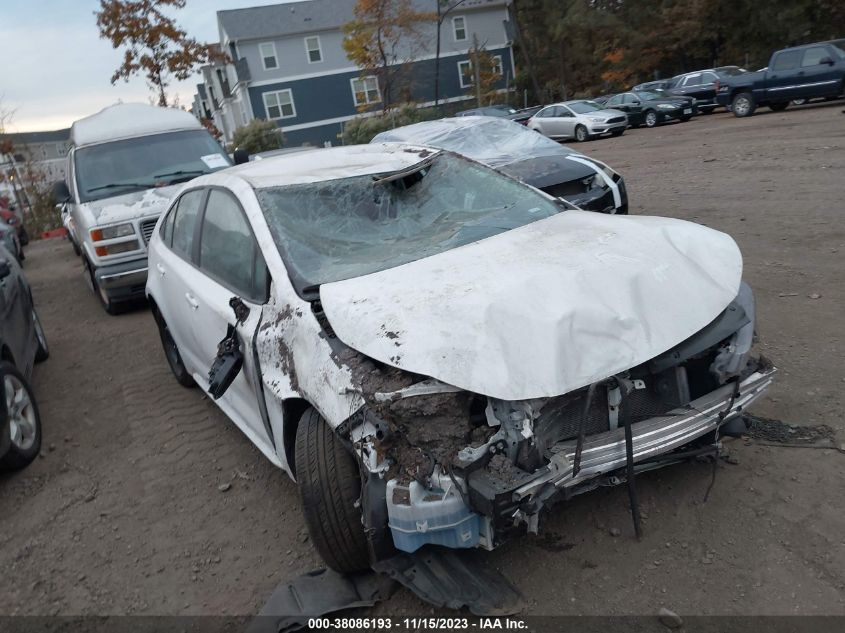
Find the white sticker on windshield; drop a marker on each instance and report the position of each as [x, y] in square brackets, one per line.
[213, 161]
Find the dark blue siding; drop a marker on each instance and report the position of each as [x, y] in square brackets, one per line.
[329, 97]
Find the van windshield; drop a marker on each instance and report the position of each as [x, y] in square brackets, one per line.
[134, 164]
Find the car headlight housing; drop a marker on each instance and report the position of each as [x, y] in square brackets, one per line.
[112, 232]
[665, 106]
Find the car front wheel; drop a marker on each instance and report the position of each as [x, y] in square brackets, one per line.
[20, 419]
[650, 118]
[581, 134]
[743, 105]
[329, 484]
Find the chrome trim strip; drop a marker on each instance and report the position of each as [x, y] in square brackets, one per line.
[128, 273]
[818, 83]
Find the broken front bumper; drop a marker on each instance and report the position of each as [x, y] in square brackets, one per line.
[519, 501]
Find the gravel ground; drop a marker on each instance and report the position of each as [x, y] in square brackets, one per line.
[148, 501]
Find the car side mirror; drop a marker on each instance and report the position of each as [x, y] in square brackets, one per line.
[241, 156]
[5, 269]
[827, 61]
[61, 193]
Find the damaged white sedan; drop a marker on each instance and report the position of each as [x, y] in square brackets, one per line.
[437, 352]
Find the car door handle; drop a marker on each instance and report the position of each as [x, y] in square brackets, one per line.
[192, 301]
[160, 269]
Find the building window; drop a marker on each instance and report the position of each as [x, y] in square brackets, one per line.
[465, 73]
[312, 49]
[459, 26]
[279, 104]
[497, 65]
[267, 50]
[365, 90]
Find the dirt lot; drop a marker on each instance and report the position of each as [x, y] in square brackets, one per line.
[124, 512]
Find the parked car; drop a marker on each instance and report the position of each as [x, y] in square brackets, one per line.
[579, 120]
[10, 240]
[436, 351]
[652, 107]
[525, 155]
[660, 84]
[123, 165]
[799, 72]
[22, 344]
[12, 219]
[701, 85]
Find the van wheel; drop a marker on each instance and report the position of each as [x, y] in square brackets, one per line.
[24, 421]
[111, 307]
[743, 105]
[330, 487]
[171, 353]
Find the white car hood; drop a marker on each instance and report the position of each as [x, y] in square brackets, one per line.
[543, 309]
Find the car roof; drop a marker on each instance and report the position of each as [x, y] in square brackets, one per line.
[332, 163]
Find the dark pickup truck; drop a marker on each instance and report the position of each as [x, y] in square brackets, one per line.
[800, 72]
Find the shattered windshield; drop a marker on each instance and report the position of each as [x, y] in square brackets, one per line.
[134, 164]
[339, 229]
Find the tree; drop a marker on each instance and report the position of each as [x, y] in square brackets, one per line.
[155, 46]
[384, 36]
[483, 74]
[444, 8]
[258, 136]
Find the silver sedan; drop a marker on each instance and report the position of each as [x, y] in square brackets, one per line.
[581, 120]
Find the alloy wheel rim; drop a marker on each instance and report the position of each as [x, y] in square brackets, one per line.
[21, 413]
[741, 106]
[580, 134]
[650, 119]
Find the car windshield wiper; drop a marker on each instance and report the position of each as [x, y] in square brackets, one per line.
[114, 185]
[181, 172]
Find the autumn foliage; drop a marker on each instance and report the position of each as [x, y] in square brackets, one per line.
[382, 38]
[154, 45]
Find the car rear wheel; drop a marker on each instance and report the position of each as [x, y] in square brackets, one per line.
[22, 420]
[650, 118]
[779, 107]
[43, 351]
[581, 134]
[743, 105]
[330, 487]
[171, 353]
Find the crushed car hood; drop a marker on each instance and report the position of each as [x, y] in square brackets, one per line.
[543, 309]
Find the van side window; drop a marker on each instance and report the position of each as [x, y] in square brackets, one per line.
[185, 222]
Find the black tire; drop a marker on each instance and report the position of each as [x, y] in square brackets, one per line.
[329, 487]
[111, 307]
[581, 133]
[684, 119]
[617, 132]
[779, 107]
[650, 118]
[171, 353]
[743, 105]
[42, 353]
[25, 448]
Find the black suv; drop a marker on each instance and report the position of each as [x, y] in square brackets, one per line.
[701, 85]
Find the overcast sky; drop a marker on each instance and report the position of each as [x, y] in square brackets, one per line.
[54, 68]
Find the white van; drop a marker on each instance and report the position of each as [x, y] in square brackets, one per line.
[123, 166]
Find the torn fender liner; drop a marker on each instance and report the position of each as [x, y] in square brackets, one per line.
[445, 579]
[318, 593]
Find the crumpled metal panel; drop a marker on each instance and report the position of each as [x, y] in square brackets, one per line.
[543, 309]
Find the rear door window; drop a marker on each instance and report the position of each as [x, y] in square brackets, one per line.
[228, 250]
[692, 80]
[813, 56]
[787, 60]
[185, 223]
